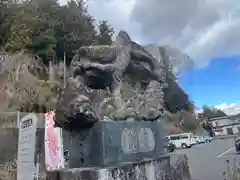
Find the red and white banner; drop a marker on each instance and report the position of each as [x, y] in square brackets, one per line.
[54, 157]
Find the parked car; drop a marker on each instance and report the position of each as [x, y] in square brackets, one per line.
[199, 139]
[66, 157]
[208, 139]
[237, 145]
[169, 146]
[184, 140]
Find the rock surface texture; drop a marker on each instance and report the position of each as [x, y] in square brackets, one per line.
[118, 82]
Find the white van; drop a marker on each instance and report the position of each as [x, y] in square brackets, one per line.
[184, 140]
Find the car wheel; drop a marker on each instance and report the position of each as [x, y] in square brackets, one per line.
[184, 146]
[237, 147]
[237, 150]
[170, 150]
[208, 141]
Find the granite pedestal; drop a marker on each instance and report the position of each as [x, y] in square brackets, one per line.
[112, 143]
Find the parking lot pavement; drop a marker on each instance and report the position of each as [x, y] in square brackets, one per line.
[208, 161]
[229, 153]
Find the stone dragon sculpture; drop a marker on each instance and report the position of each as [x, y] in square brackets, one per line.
[119, 82]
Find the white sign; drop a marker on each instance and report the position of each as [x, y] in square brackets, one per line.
[54, 157]
[146, 140]
[129, 141]
[26, 147]
[141, 140]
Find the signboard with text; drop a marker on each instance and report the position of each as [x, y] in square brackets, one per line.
[26, 147]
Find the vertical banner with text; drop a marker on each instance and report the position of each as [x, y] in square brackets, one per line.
[54, 157]
[26, 147]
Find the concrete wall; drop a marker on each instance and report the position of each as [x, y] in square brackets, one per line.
[174, 167]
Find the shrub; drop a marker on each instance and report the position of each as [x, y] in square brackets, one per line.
[233, 170]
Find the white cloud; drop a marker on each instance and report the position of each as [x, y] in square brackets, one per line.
[201, 28]
[118, 14]
[198, 111]
[229, 109]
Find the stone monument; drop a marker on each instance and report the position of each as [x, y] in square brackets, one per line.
[113, 104]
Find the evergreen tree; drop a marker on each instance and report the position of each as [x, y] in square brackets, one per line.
[209, 112]
[49, 30]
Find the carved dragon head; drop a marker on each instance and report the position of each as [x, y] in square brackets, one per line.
[97, 74]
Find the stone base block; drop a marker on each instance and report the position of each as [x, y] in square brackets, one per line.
[159, 169]
[111, 143]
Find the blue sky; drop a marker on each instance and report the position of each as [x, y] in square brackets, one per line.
[215, 84]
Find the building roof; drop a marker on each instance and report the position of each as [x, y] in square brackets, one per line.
[227, 125]
[226, 117]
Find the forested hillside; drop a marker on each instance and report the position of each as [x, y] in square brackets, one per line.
[211, 112]
[45, 28]
[34, 33]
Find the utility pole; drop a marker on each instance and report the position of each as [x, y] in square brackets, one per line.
[64, 69]
[17, 72]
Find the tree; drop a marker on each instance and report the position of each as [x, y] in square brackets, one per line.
[209, 112]
[49, 30]
[6, 10]
[190, 107]
[105, 33]
[175, 99]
